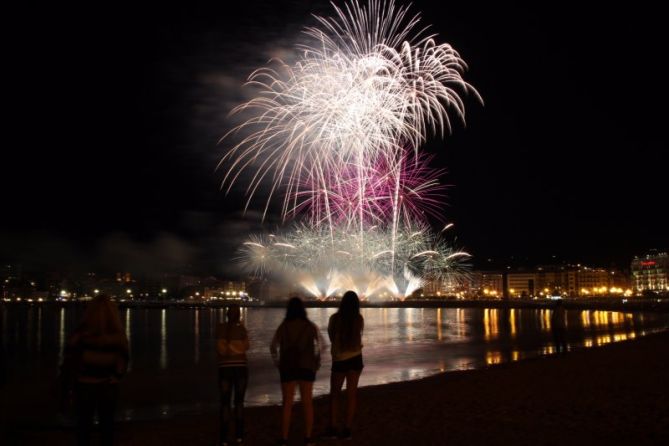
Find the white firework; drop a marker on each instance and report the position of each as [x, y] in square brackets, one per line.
[337, 133]
[303, 254]
[368, 84]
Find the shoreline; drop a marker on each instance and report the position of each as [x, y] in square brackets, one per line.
[616, 393]
[596, 304]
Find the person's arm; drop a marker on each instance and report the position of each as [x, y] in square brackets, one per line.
[320, 345]
[320, 340]
[274, 346]
[331, 333]
[362, 328]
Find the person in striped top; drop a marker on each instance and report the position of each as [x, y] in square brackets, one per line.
[232, 342]
[95, 360]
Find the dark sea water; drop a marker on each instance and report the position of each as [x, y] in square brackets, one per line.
[173, 360]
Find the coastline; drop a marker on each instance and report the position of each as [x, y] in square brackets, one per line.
[614, 394]
[595, 304]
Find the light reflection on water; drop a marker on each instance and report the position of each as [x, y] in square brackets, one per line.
[61, 336]
[163, 339]
[173, 359]
[128, 333]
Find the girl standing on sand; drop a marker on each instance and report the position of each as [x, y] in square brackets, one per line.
[232, 344]
[345, 332]
[296, 351]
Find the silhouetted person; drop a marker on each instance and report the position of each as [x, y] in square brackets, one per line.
[232, 344]
[345, 331]
[559, 327]
[296, 351]
[96, 358]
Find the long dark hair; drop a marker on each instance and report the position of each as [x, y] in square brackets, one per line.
[348, 320]
[233, 314]
[101, 317]
[295, 309]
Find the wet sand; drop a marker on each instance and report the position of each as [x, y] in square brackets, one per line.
[616, 394]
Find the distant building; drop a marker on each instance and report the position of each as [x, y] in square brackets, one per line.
[521, 284]
[272, 290]
[566, 280]
[620, 279]
[226, 290]
[493, 282]
[649, 272]
[593, 281]
[556, 280]
[487, 284]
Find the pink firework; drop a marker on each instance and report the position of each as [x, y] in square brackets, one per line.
[404, 190]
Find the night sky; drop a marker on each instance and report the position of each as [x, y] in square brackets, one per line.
[115, 114]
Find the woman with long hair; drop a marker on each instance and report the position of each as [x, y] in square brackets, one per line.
[345, 331]
[296, 351]
[95, 360]
[232, 342]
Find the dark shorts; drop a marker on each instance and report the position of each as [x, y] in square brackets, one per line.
[234, 373]
[297, 375]
[353, 364]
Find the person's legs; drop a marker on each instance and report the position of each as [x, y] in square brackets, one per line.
[352, 378]
[306, 395]
[288, 394]
[336, 383]
[85, 401]
[225, 393]
[241, 380]
[107, 398]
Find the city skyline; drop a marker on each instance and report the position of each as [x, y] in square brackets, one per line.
[646, 277]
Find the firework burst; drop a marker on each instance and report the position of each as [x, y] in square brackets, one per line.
[369, 85]
[304, 253]
[337, 134]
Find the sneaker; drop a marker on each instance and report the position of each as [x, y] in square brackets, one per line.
[330, 434]
[345, 434]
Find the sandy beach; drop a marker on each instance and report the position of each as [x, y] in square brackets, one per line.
[616, 394]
